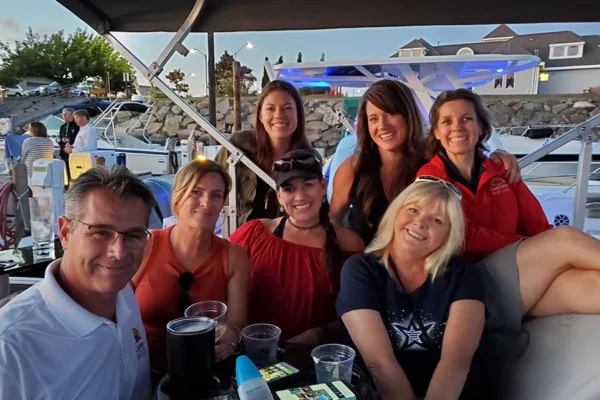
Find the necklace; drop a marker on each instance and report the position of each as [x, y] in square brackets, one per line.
[303, 228]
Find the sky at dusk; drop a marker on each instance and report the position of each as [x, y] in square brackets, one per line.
[48, 16]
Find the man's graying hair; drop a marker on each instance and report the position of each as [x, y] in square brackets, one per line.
[68, 110]
[119, 179]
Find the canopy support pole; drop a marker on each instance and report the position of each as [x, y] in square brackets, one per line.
[229, 213]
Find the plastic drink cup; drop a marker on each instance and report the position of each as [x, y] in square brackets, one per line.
[42, 222]
[212, 309]
[333, 362]
[261, 342]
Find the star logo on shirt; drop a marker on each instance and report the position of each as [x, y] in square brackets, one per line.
[412, 334]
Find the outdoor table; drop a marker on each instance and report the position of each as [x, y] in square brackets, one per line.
[293, 354]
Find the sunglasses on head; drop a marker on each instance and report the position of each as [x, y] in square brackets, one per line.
[430, 178]
[288, 165]
[185, 283]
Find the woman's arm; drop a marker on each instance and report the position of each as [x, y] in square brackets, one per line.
[340, 196]
[238, 287]
[461, 339]
[229, 334]
[370, 337]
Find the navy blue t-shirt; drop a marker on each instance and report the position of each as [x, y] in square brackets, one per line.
[415, 322]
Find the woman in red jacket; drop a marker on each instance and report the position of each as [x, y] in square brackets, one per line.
[531, 268]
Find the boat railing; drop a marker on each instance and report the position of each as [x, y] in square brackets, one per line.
[587, 133]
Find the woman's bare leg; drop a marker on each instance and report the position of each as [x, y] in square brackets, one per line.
[543, 258]
[575, 291]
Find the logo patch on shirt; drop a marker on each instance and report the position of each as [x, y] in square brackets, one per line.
[140, 347]
[498, 186]
[136, 335]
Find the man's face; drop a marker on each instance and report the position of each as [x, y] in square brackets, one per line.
[80, 120]
[96, 259]
[67, 116]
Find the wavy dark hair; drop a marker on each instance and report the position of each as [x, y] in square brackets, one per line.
[264, 150]
[392, 97]
[432, 145]
[332, 253]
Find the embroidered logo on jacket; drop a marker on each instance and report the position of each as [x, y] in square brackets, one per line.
[498, 185]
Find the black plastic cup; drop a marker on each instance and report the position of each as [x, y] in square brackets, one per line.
[191, 354]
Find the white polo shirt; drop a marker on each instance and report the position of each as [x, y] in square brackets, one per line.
[86, 140]
[52, 348]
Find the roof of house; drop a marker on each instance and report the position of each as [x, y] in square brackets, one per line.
[501, 31]
[417, 44]
[535, 44]
[593, 39]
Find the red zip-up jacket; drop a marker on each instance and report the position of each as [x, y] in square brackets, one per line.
[498, 214]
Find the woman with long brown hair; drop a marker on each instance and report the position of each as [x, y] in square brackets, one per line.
[389, 152]
[279, 129]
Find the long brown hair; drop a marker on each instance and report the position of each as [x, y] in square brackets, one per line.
[432, 145]
[392, 97]
[264, 150]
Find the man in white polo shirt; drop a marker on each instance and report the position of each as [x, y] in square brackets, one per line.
[78, 333]
[87, 138]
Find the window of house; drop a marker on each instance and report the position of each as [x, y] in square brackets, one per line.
[558, 51]
[572, 51]
[509, 81]
[498, 83]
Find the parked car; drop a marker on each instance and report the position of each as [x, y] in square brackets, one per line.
[15, 90]
[80, 91]
[53, 88]
[33, 92]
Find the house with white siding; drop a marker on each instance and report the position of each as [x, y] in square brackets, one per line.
[570, 62]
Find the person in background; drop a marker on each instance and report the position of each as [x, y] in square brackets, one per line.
[87, 138]
[412, 306]
[295, 260]
[66, 136]
[279, 130]
[78, 333]
[187, 263]
[37, 146]
[530, 268]
[389, 152]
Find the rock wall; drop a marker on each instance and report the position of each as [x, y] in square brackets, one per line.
[323, 127]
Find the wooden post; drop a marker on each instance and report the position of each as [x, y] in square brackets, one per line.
[22, 221]
[212, 93]
[237, 110]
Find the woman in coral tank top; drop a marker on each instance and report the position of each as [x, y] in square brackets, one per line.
[296, 260]
[187, 263]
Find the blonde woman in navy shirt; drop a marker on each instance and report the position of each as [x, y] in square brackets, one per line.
[414, 309]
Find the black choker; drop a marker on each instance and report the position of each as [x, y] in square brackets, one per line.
[303, 228]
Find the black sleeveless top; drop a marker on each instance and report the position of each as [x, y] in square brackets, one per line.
[365, 225]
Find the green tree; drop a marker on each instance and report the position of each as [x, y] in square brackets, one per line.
[280, 60]
[265, 79]
[224, 76]
[64, 59]
[299, 58]
[177, 78]
[322, 57]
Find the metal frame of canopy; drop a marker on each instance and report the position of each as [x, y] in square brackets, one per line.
[223, 15]
[454, 72]
[152, 72]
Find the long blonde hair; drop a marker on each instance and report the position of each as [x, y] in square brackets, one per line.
[423, 193]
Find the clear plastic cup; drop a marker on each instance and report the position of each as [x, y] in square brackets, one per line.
[212, 309]
[261, 342]
[333, 362]
[42, 222]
